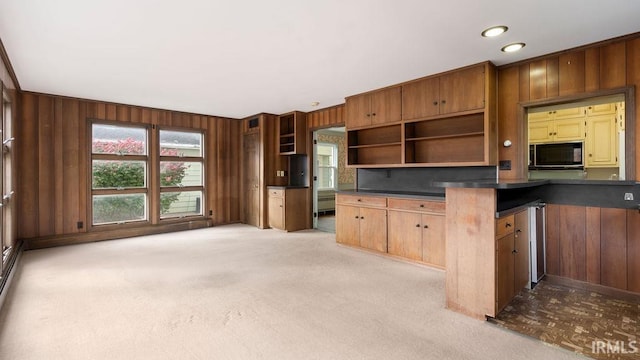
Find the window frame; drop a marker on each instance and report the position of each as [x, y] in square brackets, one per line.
[333, 167]
[146, 190]
[177, 188]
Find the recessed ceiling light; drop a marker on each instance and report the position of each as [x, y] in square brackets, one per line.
[315, 103]
[494, 31]
[512, 47]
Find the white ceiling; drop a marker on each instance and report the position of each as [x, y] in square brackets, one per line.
[241, 57]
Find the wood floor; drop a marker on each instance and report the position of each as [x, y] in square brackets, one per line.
[588, 323]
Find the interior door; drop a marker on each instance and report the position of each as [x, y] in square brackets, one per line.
[251, 161]
[314, 186]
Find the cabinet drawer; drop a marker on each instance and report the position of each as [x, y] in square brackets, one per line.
[276, 192]
[504, 226]
[417, 205]
[362, 200]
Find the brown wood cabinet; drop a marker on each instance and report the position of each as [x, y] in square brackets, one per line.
[416, 230]
[373, 108]
[512, 257]
[447, 120]
[284, 208]
[362, 221]
[453, 92]
[292, 133]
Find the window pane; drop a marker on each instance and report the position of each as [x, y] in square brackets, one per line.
[180, 143]
[122, 140]
[326, 177]
[119, 208]
[177, 204]
[180, 173]
[118, 174]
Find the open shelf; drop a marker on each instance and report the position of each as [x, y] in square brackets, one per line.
[379, 145]
[458, 139]
[291, 133]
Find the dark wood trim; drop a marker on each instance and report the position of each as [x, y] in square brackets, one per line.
[565, 51]
[4, 57]
[115, 233]
[582, 285]
[630, 120]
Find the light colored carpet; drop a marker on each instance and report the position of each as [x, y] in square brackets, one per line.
[236, 292]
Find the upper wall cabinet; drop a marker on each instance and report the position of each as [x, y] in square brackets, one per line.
[447, 119]
[453, 92]
[373, 108]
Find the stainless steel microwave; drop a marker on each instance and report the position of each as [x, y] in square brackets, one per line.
[569, 155]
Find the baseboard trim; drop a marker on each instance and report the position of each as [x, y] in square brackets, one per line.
[112, 234]
[13, 268]
[582, 285]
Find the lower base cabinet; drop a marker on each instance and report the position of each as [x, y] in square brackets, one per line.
[284, 208]
[417, 236]
[408, 228]
[512, 257]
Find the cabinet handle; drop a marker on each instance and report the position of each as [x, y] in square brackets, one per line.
[280, 205]
[374, 114]
[417, 225]
[507, 225]
[443, 101]
[368, 115]
[590, 155]
[555, 133]
[361, 217]
[421, 205]
[435, 103]
[357, 217]
[514, 252]
[426, 226]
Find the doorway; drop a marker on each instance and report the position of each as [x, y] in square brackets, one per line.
[330, 175]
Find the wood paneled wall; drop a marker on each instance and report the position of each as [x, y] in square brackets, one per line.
[52, 141]
[324, 118]
[603, 66]
[596, 245]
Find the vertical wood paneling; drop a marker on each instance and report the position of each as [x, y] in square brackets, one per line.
[553, 239]
[329, 117]
[59, 176]
[28, 149]
[592, 69]
[525, 90]
[70, 159]
[46, 185]
[508, 123]
[613, 248]
[572, 244]
[613, 65]
[633, 79]
[593, 233]
[571, 73]
[633, 250]
[552, 77]
[54, 190]
[538, 80]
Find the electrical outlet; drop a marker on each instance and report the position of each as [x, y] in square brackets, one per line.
[80, 224]
[628, 196]
[504, 165]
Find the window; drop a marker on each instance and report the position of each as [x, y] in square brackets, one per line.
[327, 166]
[119, 163]
[181, 174]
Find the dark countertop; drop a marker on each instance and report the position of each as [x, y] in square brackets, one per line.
[397, 194]
[286, 187]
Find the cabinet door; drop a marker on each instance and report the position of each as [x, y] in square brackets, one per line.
[569, 130]
[521, 248]
[504, 271]
[421, 99]
[386, 106]
[540, 131]
[433, 239]
[602, 109]
[462, 90]
[348, 225]
[571, 113]
[373, 229]
[540, 116]
[405, 234]
[276, 212]
[357, 109]
[601, 142]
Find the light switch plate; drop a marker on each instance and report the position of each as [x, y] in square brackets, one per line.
[628, 196]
